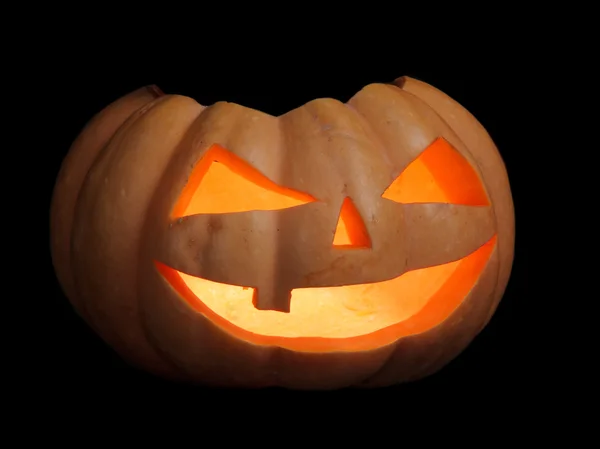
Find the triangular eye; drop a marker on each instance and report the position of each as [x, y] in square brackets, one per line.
[439, 175]
[222, 182]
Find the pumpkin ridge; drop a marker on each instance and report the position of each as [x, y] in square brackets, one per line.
[71, 177]
[435, 97]
[152, 342]
[106, 157]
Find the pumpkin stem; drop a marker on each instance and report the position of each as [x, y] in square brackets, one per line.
[155, 90]
[400, 82]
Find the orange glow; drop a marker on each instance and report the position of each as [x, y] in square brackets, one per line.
[439, 175]
[349, 318]
[351, 231]
[222, 182]
[353, 317]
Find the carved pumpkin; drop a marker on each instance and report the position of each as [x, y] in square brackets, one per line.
[359, 244]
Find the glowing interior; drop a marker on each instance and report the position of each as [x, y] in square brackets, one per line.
[439, 175]
[326, 312]
[374, 312]
[350, 231]
[346, 318]
[222, 182]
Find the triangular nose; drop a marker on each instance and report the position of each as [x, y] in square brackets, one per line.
[350, 231]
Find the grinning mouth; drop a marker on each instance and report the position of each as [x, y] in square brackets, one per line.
[352, 317]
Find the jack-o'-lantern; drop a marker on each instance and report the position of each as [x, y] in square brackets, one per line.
[358, 244]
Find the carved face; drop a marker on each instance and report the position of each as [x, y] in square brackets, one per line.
[325, 231]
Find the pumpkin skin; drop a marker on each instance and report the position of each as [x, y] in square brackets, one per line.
[126, 240]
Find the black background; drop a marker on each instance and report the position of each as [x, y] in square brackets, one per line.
[75, 365]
